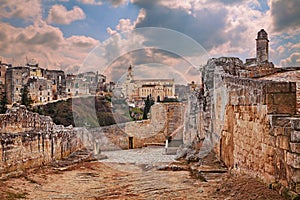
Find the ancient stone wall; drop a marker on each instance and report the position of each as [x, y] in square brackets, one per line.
[251, 123]
[258, 135]
[166, 120]
[30, 140]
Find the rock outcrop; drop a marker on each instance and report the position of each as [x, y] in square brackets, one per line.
[30, 140]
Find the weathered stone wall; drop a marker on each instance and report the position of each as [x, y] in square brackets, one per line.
[257, 131]
[251, 124]
[30, 140]
[166, 120]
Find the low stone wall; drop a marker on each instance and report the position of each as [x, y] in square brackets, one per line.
[30, 140]
[253, 124]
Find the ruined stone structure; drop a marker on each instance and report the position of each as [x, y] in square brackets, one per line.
[251, 124]
[259, 66]
[137, 90]
[166, 122]
[31, 140]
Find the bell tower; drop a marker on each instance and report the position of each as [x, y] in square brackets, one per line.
[262, 47]
[129, 73]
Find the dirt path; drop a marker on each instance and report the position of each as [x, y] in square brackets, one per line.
[134, 179]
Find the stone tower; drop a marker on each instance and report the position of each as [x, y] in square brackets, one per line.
[262, 47]
[129, 74]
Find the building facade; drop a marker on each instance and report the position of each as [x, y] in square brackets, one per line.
[137, 90]
[87, 83]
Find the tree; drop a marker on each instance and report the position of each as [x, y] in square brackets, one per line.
[3, 103]
[148, 103]
[25, 97]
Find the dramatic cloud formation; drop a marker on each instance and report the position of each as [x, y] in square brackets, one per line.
[286, 15]
[58, 14]
[61, 33]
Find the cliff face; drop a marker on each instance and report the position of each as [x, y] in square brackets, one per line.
[249, 123]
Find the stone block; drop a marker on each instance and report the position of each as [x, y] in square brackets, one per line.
[278, 87]
[295, 147]
[296, 175]
[284, 99]
[269, 99]
[283, 142]
[293, 160]
[295, 136]
[280, 120]
[293, 87]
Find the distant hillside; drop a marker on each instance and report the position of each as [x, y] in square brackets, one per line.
[84, 110]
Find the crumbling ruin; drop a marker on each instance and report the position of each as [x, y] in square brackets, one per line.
[30, 140]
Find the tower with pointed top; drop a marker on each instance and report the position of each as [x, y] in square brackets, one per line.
[262, 47]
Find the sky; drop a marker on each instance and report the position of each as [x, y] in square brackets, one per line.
[61, 34]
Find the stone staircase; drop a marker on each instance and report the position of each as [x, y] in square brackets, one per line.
[173, 145]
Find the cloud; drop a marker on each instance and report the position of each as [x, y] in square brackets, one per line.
[91, 2]
[22, 9]
[114, 3]
[82, 41]
[110, 31]
[126, 24]
[44, 43]
[205, 26]
[292, 60]
[285, 14]
[117, 2]
[58, 14]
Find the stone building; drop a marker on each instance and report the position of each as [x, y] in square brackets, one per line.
[262, 52]
[3, 68]
[44, 85]
[262, 47]
[16, 78]
[40, 89]
[87, 83]
[58, 79]
[158, 89]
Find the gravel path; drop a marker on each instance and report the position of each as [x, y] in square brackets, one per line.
[147, 155]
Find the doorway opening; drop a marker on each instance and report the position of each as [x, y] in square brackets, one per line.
[130, 144]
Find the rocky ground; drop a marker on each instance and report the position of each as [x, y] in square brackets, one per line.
[134, 174]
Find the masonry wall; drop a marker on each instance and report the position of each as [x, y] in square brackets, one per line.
[259, 135]
[255, 124]
[30, 140]
[166, 120]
